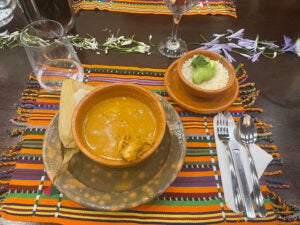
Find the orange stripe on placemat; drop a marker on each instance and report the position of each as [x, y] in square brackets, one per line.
[39, 122]
[234, 108]
[29, 183]
[33, 136]
[32, 151]
[199, 158]
[198, 144]
[195, 119]
[43, 112]
[70, 203]
[30, 166]
[168, 208]
[16, 200]
[172, 189]
[197, 131]
[48, 201]
[192, 130]
[47, 101]
[196, 173]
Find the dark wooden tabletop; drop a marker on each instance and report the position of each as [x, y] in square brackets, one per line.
[278, 79]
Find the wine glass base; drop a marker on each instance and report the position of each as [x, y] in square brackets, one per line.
[172, 48]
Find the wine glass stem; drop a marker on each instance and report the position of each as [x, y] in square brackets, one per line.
[176, 20]
[173, 43]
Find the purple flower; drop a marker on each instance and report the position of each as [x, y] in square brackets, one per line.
[237, 35]
[288, 45]
[269, 44]
[212, 42]
[217, 47]
[250, 49]
[245, 55]
[233, 45]
[214, 48]
[246, 43]
[228, 56]
[256, 56]
[218, 36]
[287, 40]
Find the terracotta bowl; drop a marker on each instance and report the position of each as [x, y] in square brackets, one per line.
[117, 90]
[196, 91]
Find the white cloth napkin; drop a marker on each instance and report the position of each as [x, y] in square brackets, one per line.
[260, 157]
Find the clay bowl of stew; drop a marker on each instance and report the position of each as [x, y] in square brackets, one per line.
[119, 125]
[223, 79]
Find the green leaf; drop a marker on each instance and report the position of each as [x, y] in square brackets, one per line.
[199, 60]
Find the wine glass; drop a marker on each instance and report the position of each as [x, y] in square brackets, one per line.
[50, 53]
[174, 47]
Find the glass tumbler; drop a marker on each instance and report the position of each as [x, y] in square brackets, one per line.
[58, 10]
[7, 8]
[51, 55]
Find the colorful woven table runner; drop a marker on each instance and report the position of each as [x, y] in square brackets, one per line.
[195, 197]
[213, 7]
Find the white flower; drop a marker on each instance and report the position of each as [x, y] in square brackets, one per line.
[94, 44]
[126, 42]
[141, 48]
[119, 43]
[110, 40]
[297, 47]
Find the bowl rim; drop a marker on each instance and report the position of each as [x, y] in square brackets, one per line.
[119, 163]
[228, 66]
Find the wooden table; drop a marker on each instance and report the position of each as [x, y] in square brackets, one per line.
[278, 79]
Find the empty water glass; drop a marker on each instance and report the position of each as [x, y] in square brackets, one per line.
[7, 8]
[51, 55]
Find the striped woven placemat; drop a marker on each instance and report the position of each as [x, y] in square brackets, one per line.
[213, 7]
[28, 194]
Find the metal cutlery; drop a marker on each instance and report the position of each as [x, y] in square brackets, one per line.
[246, 133]
[223, 134]
[242, 180]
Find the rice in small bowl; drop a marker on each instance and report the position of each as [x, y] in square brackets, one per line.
[221, 81]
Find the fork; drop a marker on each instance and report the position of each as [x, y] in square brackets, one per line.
[248, 135]
[223, 134]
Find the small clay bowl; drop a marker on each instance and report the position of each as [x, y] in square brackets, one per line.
[196, 91]
[117, 90]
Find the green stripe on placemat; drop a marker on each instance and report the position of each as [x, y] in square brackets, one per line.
[28, 194]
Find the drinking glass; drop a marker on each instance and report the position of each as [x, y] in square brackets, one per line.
[7, 8]
[51, 55]
[58, 10]
[174, 47]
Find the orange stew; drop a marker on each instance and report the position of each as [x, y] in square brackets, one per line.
[119, 128]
